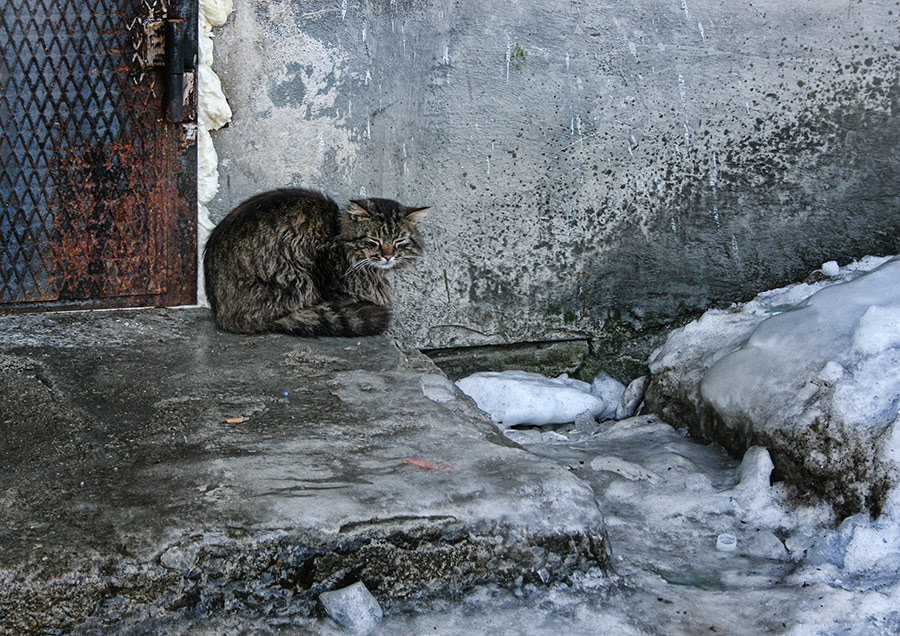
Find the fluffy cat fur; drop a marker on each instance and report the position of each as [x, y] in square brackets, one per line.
[289, 261]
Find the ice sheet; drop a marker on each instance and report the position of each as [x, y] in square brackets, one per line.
[668, 501]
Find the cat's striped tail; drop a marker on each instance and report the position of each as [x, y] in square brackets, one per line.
[337, 318]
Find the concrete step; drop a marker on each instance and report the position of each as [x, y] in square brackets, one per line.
[152, 465]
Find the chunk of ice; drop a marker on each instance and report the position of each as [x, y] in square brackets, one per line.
[831, 372]
[878, 329]
[520, 397]
[767, 545]
[831, 268]
[437, 388]
[585, 422]
[860, 545]
[632, 397]
[610, 390]
[755, 470]
[353, 608]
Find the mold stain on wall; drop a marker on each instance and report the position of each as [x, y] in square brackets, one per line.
[633, 164]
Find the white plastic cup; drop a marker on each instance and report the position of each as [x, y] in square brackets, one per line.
[726, 543]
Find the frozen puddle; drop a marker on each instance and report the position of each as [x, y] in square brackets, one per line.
[673, 508]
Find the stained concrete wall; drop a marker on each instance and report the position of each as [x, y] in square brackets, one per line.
[594, 168]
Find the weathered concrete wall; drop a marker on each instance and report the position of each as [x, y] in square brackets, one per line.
[593, 167]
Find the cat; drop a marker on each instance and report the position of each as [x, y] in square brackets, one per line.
[289, 261]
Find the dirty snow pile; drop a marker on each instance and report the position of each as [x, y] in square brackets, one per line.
[811, 371]
[843, 340]
[803, 380]
[520, 397]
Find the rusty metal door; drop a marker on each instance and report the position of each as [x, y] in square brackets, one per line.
[97, 188]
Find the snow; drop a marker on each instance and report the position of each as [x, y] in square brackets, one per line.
[814, 363]
[701, 544]
[813, 368]
[720, 331]
[823, 371]
[847, 324]
[521, 397]
[859, 545]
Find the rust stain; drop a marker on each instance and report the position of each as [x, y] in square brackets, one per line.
[110, 221]
[120, 199]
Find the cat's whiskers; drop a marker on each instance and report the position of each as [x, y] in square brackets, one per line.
[358, 265]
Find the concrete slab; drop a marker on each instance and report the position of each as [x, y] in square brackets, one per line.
[154, 466]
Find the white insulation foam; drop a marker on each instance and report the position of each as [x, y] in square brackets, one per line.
[213, 113]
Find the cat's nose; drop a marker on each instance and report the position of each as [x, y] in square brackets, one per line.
[387, 253]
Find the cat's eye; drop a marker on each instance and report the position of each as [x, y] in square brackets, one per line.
[373, 242]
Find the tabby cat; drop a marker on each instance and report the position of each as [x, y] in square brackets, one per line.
[289, 261]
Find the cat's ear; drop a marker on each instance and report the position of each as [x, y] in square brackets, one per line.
[357, 210]
[415, 214]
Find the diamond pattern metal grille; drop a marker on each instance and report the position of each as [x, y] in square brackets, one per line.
[82, 183]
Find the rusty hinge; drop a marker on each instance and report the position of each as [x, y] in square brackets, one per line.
[163, 44]
[174, 65]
